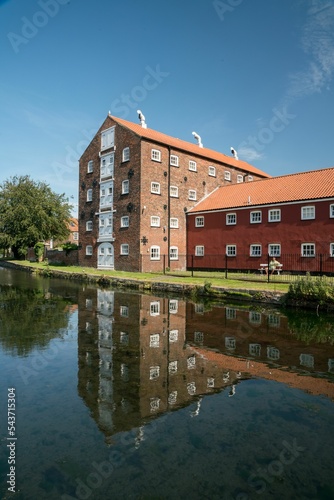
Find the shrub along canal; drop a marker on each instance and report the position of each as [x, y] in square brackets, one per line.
[137, 396]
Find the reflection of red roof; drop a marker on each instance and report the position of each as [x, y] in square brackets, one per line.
[316, 184]
[318, 386]
[159, 137]
[73, 224]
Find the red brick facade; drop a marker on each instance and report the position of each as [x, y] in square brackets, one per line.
[189, 183]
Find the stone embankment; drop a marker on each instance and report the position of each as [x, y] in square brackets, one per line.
[141, 285]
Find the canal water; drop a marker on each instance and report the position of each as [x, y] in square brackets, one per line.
[119, 395]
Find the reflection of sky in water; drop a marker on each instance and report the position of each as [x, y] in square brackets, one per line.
[222, 446]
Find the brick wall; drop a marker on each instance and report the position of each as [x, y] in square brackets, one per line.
[59, 257]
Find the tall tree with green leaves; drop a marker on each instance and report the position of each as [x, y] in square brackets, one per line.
[31, 212]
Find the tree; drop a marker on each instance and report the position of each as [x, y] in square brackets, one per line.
[30, 212]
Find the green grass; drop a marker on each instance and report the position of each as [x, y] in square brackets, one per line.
[215, 279]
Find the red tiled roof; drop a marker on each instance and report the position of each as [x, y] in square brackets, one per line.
[312, 185]
[159, 137]
[73, 226]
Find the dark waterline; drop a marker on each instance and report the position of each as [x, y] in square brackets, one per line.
[129, 396]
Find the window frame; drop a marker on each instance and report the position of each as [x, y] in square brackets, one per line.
[251, 250]
[306, 208]
[173, 191]
[271, 212]
[125, 190]
[199, 221]
[89, 196]
[192, 194]
[90, 167]
[123, 219]
[199, 250]
[89, 225]
[173, 253]
[157, 220]
[174, 161]
[126, 154]
[156, 155]
[124, 249]
[227, 175]
[212, 171]
[176, 226]
[192, 166]
[104, 134]
[155, 252]
[229, 247]
[89, 250]
[230, 215]
[303, 247]
[331, 210]
[270, 247]
[157, 184]
[252, 217]
[240, 179]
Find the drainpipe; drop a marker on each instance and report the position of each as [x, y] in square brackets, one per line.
[168, 208]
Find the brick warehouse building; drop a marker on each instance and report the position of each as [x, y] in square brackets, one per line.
[290, 217]
[135, 187]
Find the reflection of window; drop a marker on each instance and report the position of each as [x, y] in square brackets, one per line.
[255, 317]
[124, 311]
[172, 367]
[199, 308]
[331, 365]
[255, 349]
[230, 313]
[154, 404]
[210, 383]
[173, 335]
[154, 308]
[124, 338]
[154, 340]
[273, 353]
[273, 320]
[154, 372]
[230, 343]
[172, 398]
[191, 388]
[306, 360]
[191, 362]
[199, 337]
[173, 306]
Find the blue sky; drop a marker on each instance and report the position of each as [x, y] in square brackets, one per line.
[253, 74]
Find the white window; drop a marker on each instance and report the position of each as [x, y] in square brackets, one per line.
[212, 171]
[192, 194]
[89, 194]
[125, 221]
[90, 167]
[231, 250]
[126, 154]
[173, 335]
[155, 252]
[254, 349]
[174, 191]
[155, 155]
[192, 165]
[125, 187]
[273, 353]
[308, 212]
[274, 215]
[173, 253]
[174, 222]
[89, 225]
[331, 211]
[154, 308]
[106, 194]
[154, 340]
[331, 249]
[274, 249]
[255, 251]
[240, 178]
[199, 221]
[308, 249]
[124, 311]
[199, 250]
[124, 249]
[174, 160]
[227, 175]
[107, 165]
[155, 187]
[250, 178]
[173, 306]
[102, 222]
[89, 250]
[231, 219]
[255, 217]
[155, 221]
[107, 138]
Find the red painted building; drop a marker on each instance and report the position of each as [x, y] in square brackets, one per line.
[289, 217]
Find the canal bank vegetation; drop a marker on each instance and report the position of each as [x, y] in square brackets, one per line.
[316, 291]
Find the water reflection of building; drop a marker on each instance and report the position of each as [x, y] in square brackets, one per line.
[259, 342]
[134, 362]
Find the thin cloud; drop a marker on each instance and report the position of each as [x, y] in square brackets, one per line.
[249, 154]
[317, 42]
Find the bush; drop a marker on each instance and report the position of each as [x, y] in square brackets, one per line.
[68, 247]
[39, 250]
[313, 290]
